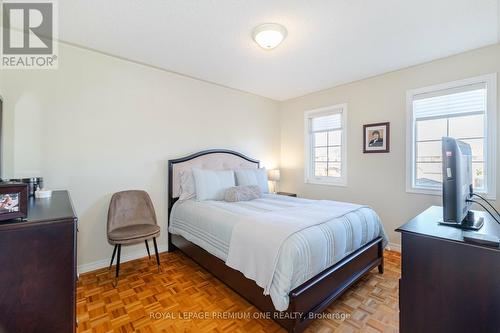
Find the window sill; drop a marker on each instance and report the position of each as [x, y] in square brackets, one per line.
[428, 191]
[341, 183]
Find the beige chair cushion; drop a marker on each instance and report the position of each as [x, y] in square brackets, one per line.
[133, 233]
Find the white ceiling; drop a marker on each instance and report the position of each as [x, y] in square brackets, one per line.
[329, 42]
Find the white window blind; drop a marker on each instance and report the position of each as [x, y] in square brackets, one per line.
[326, 123]
[450, 102]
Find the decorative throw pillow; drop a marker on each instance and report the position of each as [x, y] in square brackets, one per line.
[252, 177]
[212, 184]
[243, 193]
[187, 186]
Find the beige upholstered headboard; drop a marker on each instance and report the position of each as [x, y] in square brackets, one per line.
[208, 159]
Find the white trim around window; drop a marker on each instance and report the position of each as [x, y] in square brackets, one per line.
[490, 130]
[309, 169]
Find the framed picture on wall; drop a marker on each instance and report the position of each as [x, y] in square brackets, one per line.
[376, 138]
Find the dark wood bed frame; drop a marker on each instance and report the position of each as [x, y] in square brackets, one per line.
[308, 299]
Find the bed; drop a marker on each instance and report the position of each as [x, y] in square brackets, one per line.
[315, 265]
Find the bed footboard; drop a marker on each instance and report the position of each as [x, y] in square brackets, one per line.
[308, 299]
[316, 294]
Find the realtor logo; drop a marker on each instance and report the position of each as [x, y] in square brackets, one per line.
[28, 35]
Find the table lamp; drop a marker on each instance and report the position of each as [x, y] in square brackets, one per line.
[274, 177]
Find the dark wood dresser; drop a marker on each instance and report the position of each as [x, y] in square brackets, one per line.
[38, 268]
[448, 285]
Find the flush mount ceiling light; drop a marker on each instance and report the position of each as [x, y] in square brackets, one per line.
[269, 35]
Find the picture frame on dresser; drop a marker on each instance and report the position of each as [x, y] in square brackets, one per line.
[13, 200]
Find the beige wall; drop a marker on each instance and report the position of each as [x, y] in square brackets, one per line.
[377, 180]
[99, 125]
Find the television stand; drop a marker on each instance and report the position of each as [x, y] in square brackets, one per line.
[448, 284]
[470, 222]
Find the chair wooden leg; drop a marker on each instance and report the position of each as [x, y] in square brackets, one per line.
[147, 248]
[118, 264]
[113, 256]
[156, 252]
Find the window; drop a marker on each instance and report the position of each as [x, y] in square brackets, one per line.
[325, 141]
[465, 110]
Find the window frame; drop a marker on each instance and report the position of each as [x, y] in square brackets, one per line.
[490, 135]
[309, 177]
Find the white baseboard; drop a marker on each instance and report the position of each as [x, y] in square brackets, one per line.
[394, 247]
[92, 266]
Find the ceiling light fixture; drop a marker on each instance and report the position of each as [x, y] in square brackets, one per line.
[269, 35]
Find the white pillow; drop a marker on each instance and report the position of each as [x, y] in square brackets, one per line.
[245, 177]
[212, 184]
[187, 186]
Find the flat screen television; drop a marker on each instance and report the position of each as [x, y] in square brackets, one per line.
[457, 185]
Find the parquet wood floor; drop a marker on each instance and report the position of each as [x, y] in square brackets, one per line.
[186, 298]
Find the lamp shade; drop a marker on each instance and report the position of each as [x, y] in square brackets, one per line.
[274, 175]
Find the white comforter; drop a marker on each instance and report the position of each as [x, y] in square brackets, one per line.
[304, 254]
[256, 240]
